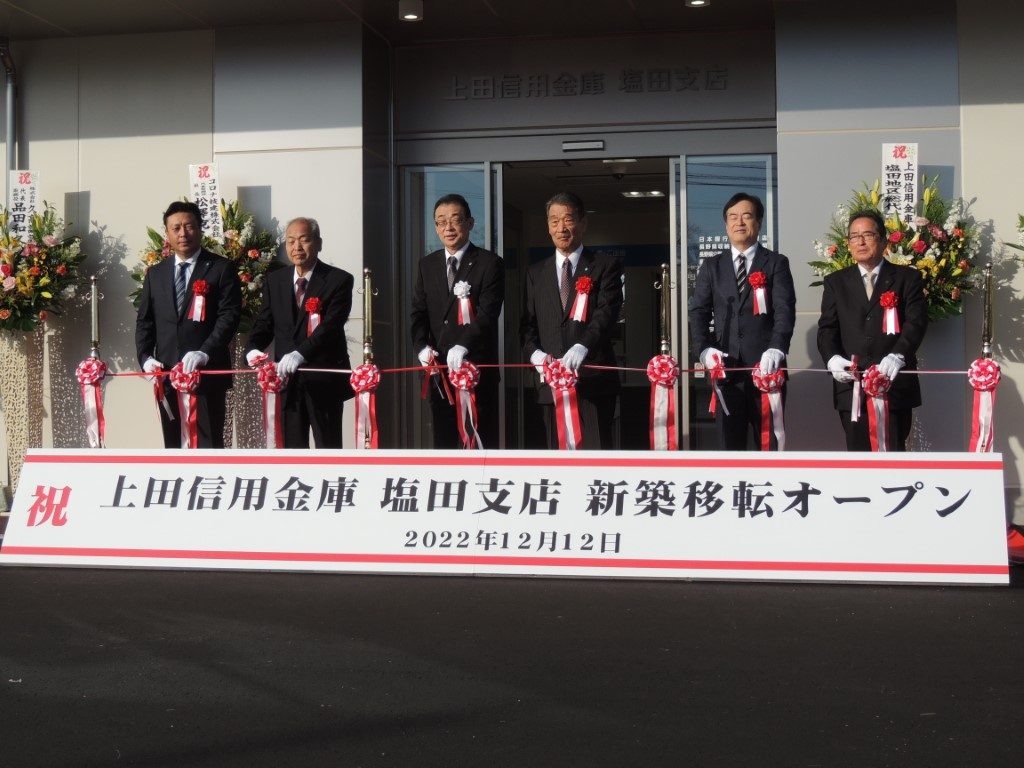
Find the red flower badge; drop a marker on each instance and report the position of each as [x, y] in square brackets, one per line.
[313, 305]
[757, 280]
[584, 284]
[889, 300]
[199, 287]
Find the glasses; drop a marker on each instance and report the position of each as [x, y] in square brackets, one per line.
[864, 237]
[455, 221]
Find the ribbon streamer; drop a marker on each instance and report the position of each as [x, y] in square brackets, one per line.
[663, 372]
[772, 416]
[717, 373]
[581, 303]
[876, 387]
[364, 380]
[890, 319]
[270, 388]
[465, 380]
[197, 311]
[186, 384]
[983, 376]
[567, 410]
[90, 372]
[465, 308]
[758, 281]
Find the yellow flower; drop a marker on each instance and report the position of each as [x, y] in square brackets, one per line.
[876, 192]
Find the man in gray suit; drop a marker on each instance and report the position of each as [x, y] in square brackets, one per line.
[548, 329]
[725, 326]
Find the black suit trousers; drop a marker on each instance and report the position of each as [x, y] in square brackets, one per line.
[444, 420]
[309, 407]
[211, 410]
[743, 400]
[597, 419]
[858, 439]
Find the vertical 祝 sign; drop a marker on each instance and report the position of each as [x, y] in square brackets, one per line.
[24, 186]
[899, 181]
[206, 194]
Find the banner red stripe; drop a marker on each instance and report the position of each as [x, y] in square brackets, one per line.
[578, 562]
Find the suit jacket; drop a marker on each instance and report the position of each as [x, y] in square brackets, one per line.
[546, 326]
[850, 325]
[163, 333]
[738, 331]
[286, 324]
[435, 310]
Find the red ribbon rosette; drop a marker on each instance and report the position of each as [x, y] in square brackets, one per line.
[772, 417]
[663, 372]
[312, 307]
[876, 387]
[983, 376]
[313, 304]
[465, 380]
[891, 319]
[581, 303]
[186, 384]
[758, 282]
[90, 372]
[197, 311]
[364, 380]
[567, 412]
[270, 387]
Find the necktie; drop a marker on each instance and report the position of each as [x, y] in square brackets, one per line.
[180, 283]
[869, 284]
[300, 291]
[741, 273]
[565, 284]
[453, 267]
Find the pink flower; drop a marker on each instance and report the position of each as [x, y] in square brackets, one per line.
[895, 237]
[51, 240]
[832, 249]
[4, 314]
[254, 254]
[965, 265]
[920, 221]
[61, 270]
[920, 246]
[30, 249]
[9, 283]
[937, 232]
[955, 294]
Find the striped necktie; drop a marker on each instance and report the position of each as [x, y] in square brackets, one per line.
[565, 284]
[741, 273]
[180, 283]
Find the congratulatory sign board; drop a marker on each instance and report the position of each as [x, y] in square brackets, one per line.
[924, 518]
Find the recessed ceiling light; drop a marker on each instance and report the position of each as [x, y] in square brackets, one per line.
[698, 3]
[633, 193]
[410, 10]
[636, 194]
[655, 193]
[618, 160]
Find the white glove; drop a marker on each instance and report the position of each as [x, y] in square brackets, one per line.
[771, 360]
[839, 366]
[152, 365]
[289, 364]
[891, 365]
[538, 358]
[193, 360]
[455, 357]
[573, 359]
[426, 355]
[705, 357]
[253, 357]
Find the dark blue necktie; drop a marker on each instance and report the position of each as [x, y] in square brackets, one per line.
[180, 283]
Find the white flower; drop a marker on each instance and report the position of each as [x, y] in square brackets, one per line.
[920, 221]
[69, 292]
[252, 287]
[461, 289]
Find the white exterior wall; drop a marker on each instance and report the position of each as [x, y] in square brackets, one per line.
[992, 114]
[111, 124]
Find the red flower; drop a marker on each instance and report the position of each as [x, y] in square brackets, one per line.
[42, 315]
[957, 232]
[833, 249]
[889, 299]
[5, 314]
[895, 237]
[199, 287]
[61, 270]
[920, 246]
[313, 305]
[254, 254]
[35, 271]
[584, 284]
[5, 270]
[965, 265]
[757, 280]
[244, 277]
[955, 294]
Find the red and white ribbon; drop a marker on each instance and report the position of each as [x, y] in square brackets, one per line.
[582, 301]
[186, 384]
[663, 372]
[364, 380]
[567, 410]
[465, 309]
[876, 387]
[716, 373]
[983, 375]
[890, 320]
[758, 282]
[270, 387]
[90, 373]
[312, 308]
[772, 416]
[465, 380]
[197, 311]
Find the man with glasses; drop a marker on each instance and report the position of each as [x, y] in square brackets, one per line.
[444, 335]
[189, 311]
[852, 325]
[741, 315]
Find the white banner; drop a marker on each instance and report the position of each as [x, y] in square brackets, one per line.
[24, 186]
[925, 518]
[899, 181]
[205, 186]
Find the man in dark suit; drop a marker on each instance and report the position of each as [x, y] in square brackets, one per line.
[548, 329]
[294, 301]
[740, 338]
[851, 324]
[167, 330]
[437, 334]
